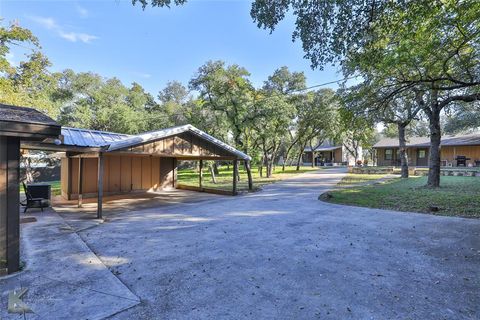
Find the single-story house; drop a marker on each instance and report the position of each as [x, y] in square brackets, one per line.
[328, 154]
[453, 149]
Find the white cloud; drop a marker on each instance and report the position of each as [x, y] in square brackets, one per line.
[47, 23]
[82, 11]
[51, 24]
[75, 36]
[143, 75]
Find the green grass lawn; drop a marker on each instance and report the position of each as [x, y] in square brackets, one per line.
[224, 178]
[359, 178]
[56, 188]
[457, 196]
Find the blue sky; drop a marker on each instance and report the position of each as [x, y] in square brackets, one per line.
[152, 47]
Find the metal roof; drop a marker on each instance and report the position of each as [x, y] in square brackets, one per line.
[322, 148]
[111, 141]
[90, 138]
[459, 140]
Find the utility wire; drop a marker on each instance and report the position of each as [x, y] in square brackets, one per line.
[277, 94]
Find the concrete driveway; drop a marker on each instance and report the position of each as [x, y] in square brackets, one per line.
[282, 254]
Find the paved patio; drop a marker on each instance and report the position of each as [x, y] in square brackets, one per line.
[282, 254]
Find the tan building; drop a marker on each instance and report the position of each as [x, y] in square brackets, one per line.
[460, 150]
[329, 154]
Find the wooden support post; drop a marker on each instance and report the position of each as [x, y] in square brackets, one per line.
[235, 174]
[249, 175]
[100, 186]
[200, 174]
[80, 181]
[9, 202]
[69, 178]
[3, 200]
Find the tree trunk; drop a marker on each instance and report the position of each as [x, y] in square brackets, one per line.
[267, 165]
[313, 155]
[212, 173]
[434, 156]
[403, 149]
[215, 168]
[28, 170]
[269, 168]
[260, 168]
[249, 175]
[285, 161]
[298, 161]
[287, 153]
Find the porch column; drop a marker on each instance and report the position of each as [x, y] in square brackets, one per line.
[100, 185]
[80, 181]
[235, 176]
[9, 202]
[200, 174]
[249, 175]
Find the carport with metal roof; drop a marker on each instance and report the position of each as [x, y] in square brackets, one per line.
[99, 163]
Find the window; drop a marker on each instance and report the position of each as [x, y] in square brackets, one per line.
[388, 154]
[421, 154]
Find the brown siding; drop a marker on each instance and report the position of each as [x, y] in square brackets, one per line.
[89, 174]
[136, 173]
[74, 175]
[122, 173]
[155, 173]
[450, 153]
[114, 174]
[106, 171]
[381, 157]
[185, 144]
[447, 153]
[146, 173]
[126, 174]
[167, 172]
[338, 155]
[64, 169]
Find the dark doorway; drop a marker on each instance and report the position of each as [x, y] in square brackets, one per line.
[422, 157]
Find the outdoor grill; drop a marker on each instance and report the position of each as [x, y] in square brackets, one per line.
[462, 161]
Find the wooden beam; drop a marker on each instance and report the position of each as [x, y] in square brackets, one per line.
[235, 177]
[100, 186]
[200, 174]
[13, 195]
[3, 198]
[174, 171]
[9, 202]
[80, 181]
[249, 175]
[69, 179]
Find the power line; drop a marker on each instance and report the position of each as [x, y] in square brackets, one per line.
[304, 89]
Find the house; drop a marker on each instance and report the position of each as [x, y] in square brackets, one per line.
[454, 151]
[329, 154]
